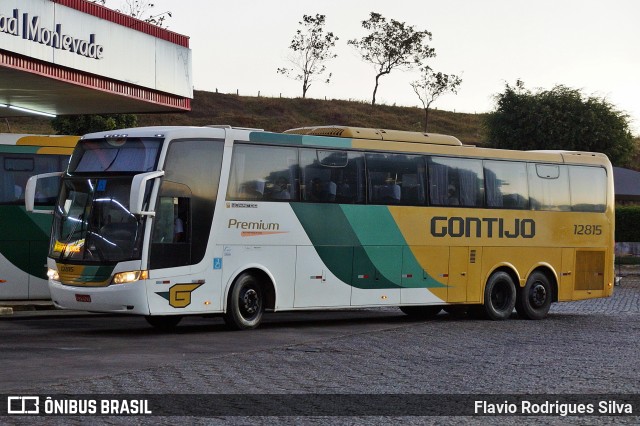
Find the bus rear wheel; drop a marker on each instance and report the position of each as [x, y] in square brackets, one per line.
[499, 296]
[534, 299]
[421, 312]
[163, 322]
[245, 304]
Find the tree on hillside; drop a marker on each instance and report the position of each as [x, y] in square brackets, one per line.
[561, 118]
[431, 86]
[391, 45]
[83, 124]
[312, 48]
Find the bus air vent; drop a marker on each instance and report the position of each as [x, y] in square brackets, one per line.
[589, 270]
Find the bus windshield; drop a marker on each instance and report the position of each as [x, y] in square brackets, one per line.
[92, 222]
[116, 155]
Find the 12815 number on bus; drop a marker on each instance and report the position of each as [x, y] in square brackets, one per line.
[587, 229]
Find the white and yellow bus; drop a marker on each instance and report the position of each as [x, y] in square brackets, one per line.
[172, 221]
[24, 237]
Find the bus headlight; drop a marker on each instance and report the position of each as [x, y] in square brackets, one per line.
[53, 274]
[130, 277]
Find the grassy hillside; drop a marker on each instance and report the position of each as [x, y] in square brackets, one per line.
[278, 114]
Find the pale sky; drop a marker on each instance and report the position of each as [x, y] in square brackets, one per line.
[592, 45]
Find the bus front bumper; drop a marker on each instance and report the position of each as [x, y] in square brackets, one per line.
[117, 298]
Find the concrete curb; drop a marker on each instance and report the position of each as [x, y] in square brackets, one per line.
[12, 307]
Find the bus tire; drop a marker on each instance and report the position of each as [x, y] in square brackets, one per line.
[245, 304]
[163, 322]
[499, 296]
[534, 299]
[421, 312]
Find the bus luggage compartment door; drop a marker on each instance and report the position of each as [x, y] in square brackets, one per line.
[376, 278]
[458, 274]
[323, 276]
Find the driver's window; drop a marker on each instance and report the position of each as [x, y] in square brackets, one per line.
[171, 238]
[172, 220]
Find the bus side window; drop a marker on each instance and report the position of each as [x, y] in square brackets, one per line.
[15, 172]
[329, 176]
[263, 173]
[18, 168]
[395, 179]
[549, 187]
[46, 189]
[8, 188]
[588, 188]
[456, 182]
[506, 184]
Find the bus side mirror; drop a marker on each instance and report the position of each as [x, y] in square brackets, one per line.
[30, 192]
[138, 186]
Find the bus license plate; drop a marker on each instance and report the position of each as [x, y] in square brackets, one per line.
[83, 298]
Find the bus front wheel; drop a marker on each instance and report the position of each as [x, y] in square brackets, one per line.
[245, 304]
[499, 296]
[534, 299]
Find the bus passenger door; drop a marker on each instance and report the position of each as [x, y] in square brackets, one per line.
[377, 272]
[317, 285]
[181, 278]
[170, 256]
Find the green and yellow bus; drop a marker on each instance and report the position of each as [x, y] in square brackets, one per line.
[24, 237]
[172, 221]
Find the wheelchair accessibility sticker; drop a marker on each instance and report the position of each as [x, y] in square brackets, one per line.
[217, 263]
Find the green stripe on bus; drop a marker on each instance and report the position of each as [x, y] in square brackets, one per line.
[298, 140]
[20, 149]
[361, 245]
[317, 219]
[94, 274]
[376, 229]
[25, 239]
[17, 224]
[373, 225]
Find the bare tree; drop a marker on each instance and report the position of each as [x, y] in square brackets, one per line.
[391, 45]
[431, 86]
[312, 48]
[139, 10]
[142, 10]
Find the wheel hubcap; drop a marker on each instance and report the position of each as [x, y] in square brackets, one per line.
[250, 302]
[538, 295]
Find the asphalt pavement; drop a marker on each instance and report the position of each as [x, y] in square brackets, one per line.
[583, 348]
